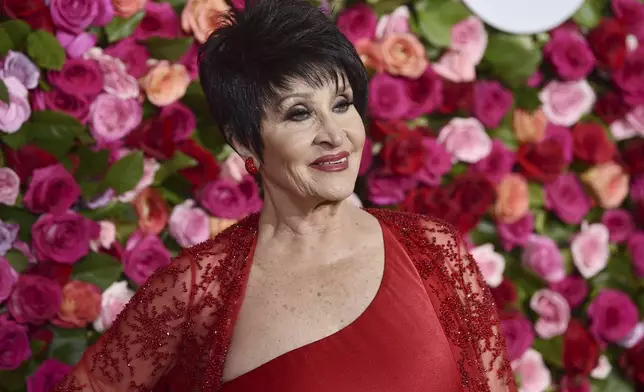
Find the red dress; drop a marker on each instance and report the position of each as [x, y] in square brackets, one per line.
[396, 344]
[174, 333]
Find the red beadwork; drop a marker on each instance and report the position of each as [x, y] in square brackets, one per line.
[175, 332]
[250, 166]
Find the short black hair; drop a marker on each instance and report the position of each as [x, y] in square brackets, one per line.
[255, 53]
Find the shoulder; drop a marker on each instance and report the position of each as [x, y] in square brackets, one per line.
[416, 225]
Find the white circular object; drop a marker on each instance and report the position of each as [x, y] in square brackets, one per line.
[524, 16]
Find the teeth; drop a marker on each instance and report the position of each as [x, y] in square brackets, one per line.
[334, 162]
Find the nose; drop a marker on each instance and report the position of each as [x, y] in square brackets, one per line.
[331, 134]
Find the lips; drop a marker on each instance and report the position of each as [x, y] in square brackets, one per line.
[332, 163]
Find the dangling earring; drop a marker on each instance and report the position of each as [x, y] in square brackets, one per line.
[250, 166]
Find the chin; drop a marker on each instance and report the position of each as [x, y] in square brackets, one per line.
[336, 191]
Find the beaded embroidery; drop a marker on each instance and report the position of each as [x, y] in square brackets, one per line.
[175, 332]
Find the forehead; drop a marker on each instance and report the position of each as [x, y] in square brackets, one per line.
[335, 83]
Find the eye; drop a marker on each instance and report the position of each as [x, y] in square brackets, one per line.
[298, 113]
[343, 105]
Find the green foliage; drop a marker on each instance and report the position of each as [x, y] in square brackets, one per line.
[168, 48]
[67, 344]
[435, 21]
[125, 173]
[4, 92]
[99, 269]
[512, 58]
[120, 28]
[590, 13]
[13, 35]
[177, 162]
[44, 50]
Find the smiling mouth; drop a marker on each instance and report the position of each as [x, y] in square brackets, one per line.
[332, 163]
[339, 161]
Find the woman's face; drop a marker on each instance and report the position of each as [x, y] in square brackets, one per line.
[313, 139]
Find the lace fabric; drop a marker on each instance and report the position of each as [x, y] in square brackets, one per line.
[175, 332]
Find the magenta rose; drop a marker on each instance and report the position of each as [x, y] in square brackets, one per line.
[190, 60]
[112, 118]
[566, 197]
[79, 77]
[8, 279]
[48, 375]
[542, 255]
[386, 189]
[224, 198]
[424, 94]
[630, 77]
[75, 45]
[630, 14]
[63, 238]
[189, 225]
[437, 162]
[357, 22]
[35, 299]
[496, 165]
[388, 97]
[14, 345]
[564, 137]
[61, 101]
[636, 250]
[491, 102]
[620, 224]
[517, 233]
[570, 55]
[181, 118]
[612, 315]
[518, 334]
[573, 288]
[52, 189]
[133, 55]
[143, 255]
[367, 157]
[160, 20]
[74, 16]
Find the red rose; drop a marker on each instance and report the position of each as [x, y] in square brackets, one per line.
[474, 193]
[27, 159]
[404, 154]
[380, 130]
[633, 156]
[580, 349]
[456, 96]
[435, 202]
[632, 361]
[543, 161]
[505, 294]
[155, 137]
[608, 42]
[207, 168]
[611, 107]
[34, 12]
[591, 144]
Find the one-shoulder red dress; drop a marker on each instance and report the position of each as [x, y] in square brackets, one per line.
[397, 344]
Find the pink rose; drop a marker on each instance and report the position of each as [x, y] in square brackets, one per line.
[542, 255]
[106, 237]
[491, 102]
[533, 372]
[566, 197]
[234, 168]
[160, 20]
[564, 103]
[357, 22]
[224, 198]
[189, 225]
[14, 345]
[386, 189]
[517, 233]
[497, 164]
[466, 140]
[113, 300]
[22, 68]
[396, 22]
[388, 97]
[17, 111]
[470, 38]
[437, 162]
[47, 376]
[490, 263]
[9, 186]
[143, 255]
[63, 238]
[590, 250]
[52, 189]
[75, 45]
[133, 55]
[573, 288]
[553, 311]
[518, 334]
[117, 81]
[613, 315]
[8, 278]
[112, 118]
[456, 67]
[570, 55]
[35, 299]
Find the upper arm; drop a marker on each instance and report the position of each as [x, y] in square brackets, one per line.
[141, 346]
[480, 313]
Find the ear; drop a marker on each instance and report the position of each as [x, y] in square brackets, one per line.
[244, 151]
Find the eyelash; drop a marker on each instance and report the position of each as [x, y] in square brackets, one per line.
[297, 113]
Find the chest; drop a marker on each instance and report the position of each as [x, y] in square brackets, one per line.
[285, 309]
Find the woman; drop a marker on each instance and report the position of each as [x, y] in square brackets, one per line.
[313, 294]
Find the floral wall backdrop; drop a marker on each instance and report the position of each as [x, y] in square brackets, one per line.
[531, 145]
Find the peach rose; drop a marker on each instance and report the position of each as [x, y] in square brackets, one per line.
[529, 127]
[609, 182]
[201, 17]
[166, 83]
[152, 211]
[217, 225]
[371, 54]
[81, 305]
[513, 199]
[403, 54]
[127, 8]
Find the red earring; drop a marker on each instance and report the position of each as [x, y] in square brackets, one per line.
[250, 166]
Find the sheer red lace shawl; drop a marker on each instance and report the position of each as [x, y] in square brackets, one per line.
[174, 333]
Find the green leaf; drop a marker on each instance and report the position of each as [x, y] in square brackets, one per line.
[512, 58]
[536, 195]
[552, 350]
[505, 134]
[68, 345]
[125, 173]
[559, 231]
[590, 13]
[15, 140]
[94, 163]
[436, 23]
[14, 380]
[13, 34]
[168, 48]
[20, 216]
[115, 211]
[120, 28]
[4, 92]
[613, 383]
[178, 161]
[99, 269]
[18, 261]
[45, 50]
[527, 98]
[53, 131]
[484, 232]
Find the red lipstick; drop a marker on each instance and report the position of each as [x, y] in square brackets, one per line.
[332, 163]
